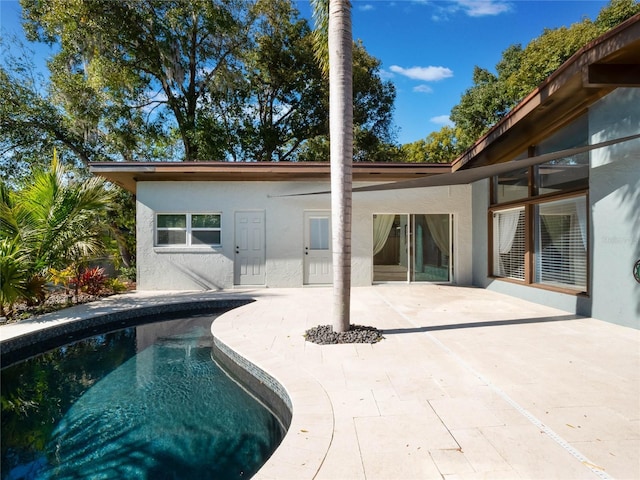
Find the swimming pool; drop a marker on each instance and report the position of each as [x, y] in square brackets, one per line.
[142, 402]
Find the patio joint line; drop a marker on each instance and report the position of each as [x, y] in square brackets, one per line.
[355, 429]
[528, 415]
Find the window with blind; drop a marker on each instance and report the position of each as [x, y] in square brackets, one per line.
[509, 243]
[558, 233]
[539, 216]
[561, 240]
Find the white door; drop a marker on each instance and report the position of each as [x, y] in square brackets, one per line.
[249, 264]
[317, 248]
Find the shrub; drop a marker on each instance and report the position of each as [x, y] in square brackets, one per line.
[17, 282]
[116, 285]
[92, 280]
[128, 272]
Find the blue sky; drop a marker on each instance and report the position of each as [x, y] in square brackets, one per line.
[428, 48]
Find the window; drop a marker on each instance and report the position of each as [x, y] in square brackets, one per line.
[539, 217]
[567, 173]
[509, 243]
[319, 233]
[512, 186]
[561, 243]
[188, 229]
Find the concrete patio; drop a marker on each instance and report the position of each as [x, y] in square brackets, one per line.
[467, 384]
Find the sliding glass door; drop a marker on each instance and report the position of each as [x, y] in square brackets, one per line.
[415, 248]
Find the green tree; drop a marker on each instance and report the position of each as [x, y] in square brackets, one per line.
[616, 12]
[52, 222]
[30, 122]
[520, 70]
[545, 54]
[144, 64]
[481, 106]
[374, 136]
[223, 80]
[438, 147]
[287, 103]
[122, 227]
[373, 104]
[289, 107]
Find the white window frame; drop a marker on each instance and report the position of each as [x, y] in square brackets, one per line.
[188, 229]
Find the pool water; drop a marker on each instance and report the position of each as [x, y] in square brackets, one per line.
[146, 402]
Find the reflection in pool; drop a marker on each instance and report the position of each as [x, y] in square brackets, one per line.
[143, 402]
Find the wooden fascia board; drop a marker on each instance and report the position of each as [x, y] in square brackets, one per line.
[127, 175]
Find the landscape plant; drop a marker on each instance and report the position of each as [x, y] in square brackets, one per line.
[52, 222]
[92, 280]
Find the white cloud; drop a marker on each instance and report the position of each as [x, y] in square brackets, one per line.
[423, 89]
[472, 8]
[482, 8]
[441, 120]
[426, 74]
[366, 7]
[386, 74]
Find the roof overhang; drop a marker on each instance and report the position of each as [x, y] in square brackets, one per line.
[609, 62]
[127, 174]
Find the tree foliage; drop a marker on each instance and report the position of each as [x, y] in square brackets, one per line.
[199, 80]
[521, 70]
[438, 147]
[131, 65]
[30, 122]
[287, 101]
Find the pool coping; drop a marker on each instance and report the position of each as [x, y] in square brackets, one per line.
[64, 330]
[311, 424]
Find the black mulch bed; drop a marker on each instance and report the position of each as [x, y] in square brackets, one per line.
[324, 335]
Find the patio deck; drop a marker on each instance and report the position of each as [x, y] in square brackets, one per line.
[467, 384]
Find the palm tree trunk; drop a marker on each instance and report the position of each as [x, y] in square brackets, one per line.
[341, 139]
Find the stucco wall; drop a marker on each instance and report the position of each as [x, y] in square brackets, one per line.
[480, 196]
[212, 268]
[614, 195]
[614, 198]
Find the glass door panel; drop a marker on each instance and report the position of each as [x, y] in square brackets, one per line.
[431, 248]
[390, 256]
[414, 248]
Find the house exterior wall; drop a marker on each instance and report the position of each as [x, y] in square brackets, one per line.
[614, 196]
[614, 228]
[177, 268]
[481, 278]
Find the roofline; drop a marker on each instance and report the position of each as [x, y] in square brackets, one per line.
[575, 70]
[127, 174]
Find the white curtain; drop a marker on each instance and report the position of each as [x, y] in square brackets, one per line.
[381, 227]
[507, 226]
[439, 228]
[581, 211]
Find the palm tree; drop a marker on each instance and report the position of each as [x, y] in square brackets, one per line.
[340, 45]
[52, 222]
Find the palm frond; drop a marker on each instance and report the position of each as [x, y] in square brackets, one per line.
[321, 33]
